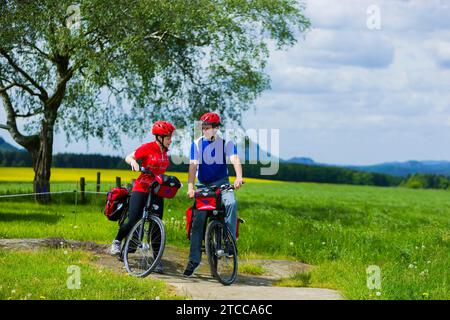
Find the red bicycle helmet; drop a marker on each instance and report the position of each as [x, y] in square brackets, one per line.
[162, 128]
[210, 118]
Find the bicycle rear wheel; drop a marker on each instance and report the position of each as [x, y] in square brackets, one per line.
[144, 246]
[222, 252]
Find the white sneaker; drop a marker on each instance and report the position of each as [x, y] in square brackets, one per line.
[115, 248]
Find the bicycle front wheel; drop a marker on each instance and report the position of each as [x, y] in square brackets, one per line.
[222, 252]
[144, 246]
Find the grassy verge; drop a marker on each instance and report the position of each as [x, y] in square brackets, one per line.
[53, 275]
[251, 268]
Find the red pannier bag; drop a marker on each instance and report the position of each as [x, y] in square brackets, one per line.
[206, 199]
[168, 186]
[116, 203]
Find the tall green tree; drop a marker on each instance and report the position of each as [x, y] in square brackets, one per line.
[100, 68]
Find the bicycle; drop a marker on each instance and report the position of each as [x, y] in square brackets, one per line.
[144, 245]
[220, 245]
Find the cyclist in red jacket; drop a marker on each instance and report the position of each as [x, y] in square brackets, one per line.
[154, 156]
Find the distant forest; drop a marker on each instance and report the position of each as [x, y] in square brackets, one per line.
[286, 172]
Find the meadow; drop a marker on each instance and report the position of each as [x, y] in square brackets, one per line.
[340, 229]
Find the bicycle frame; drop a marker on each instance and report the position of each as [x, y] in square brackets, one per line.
[147, 211]
[217, 214]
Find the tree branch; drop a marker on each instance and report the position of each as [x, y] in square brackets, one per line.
[43, 94]
[4, 89]
[29, 114]
[41, 52]
[25, 141]
[20, 85]
[58, 95]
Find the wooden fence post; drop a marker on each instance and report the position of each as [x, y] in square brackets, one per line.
[82, 189]
[98, 182]
[118, 182]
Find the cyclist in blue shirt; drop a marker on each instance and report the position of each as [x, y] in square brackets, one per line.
[208, 162]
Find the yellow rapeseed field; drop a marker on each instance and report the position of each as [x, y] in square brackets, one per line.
[74, 175]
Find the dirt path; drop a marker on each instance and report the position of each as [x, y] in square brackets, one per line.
[202, 285]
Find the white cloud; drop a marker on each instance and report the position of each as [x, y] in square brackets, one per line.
[440, 52]
[323, 48]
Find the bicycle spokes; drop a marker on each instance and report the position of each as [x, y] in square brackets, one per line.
[144, 247]
[222, 253]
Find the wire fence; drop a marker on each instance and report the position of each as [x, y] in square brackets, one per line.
[174, 225]
[78, 195]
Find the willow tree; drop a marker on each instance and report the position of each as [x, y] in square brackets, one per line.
[105, 68]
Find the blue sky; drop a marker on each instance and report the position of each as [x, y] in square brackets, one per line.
[349, 93]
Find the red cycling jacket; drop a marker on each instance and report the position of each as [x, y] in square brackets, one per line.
[151, 156]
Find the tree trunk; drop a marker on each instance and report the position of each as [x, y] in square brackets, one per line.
[42, 161]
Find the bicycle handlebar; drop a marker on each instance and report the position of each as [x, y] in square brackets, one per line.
[224, 187]
[146, 171]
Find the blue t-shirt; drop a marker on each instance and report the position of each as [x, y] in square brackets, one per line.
[211, 157]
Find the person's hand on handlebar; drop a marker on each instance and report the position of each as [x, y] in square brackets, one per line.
[238, 183]
[190, 192]
[135, 165]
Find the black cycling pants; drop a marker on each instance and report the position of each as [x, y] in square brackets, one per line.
[137, 203]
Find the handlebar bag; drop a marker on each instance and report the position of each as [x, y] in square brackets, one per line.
[207, 199]
[168, 186]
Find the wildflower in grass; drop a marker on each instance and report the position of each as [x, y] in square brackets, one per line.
[425, 295]
[291, 243]
[428, 262]
[411, 266]
[65, 251]
[75, 227]
[170, 210]
[13, 291]
[157, 298]
[42, 297]
[424, 273]
[378, 293]
[323, 243]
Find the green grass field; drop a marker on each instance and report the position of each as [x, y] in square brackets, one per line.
[341, 229]
[50, 275]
